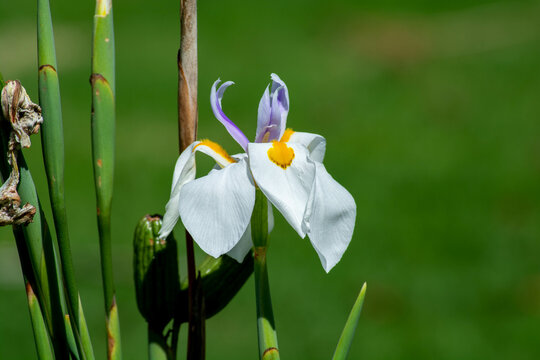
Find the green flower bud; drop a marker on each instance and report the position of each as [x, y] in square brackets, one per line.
[155, 269]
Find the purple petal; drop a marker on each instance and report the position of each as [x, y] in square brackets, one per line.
[215, 102]
[280, 105]
[282, 91]
[273, 111]
[263, 117]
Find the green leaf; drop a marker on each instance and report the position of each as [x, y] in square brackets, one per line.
[347, 335]
[41, 336]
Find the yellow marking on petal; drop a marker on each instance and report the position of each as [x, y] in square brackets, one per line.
[287, 135]
[280, 154]
[216, 148]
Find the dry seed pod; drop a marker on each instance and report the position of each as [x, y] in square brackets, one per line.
[24, 116]
[19, 119]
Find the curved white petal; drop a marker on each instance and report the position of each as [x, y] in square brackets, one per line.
[240, 250]
[215, 151]
[216, 209]
[329, 218]
[184, 172]
[316, 144]
[287, 189]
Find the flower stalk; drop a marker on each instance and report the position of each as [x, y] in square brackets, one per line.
[53, 156]
[268, 346]
[103, 130]
[187, 133]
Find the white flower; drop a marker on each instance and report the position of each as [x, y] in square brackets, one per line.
[285, 165]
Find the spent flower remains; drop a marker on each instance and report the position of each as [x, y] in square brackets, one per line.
[284, 164]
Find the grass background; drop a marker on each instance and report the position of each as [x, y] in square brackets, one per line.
[430, 110]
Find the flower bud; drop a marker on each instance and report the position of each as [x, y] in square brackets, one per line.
[155, 267]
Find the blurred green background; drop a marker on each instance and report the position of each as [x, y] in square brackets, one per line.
[431, 111]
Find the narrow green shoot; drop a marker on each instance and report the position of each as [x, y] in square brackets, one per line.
[41, 336]
[72, 343]
[347, 335]
[103, 130]
[268, 346]
[53, 155]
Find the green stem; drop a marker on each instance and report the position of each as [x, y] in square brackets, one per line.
[103, 130]
[37, 316]
[53, 155]
[43, 259]
[268, 345]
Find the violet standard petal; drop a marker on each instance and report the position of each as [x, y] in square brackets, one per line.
[215, 102]
[263, 116]
[279, 106]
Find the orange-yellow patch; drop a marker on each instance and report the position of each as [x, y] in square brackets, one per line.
[216, 148]
[280, 154]
[287, 135]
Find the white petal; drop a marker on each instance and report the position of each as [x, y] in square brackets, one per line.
[287, 189]
[215, 151]
[316, 144]
[184, 171]
[216, 209]
[240, 250]
[329, 218]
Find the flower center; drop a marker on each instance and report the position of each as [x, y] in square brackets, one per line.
[280, 154]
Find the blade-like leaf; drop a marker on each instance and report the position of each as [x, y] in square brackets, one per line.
[347, 335]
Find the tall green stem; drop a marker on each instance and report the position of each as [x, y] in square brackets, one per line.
[53, 152]
[268, 345]
[103, 129]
